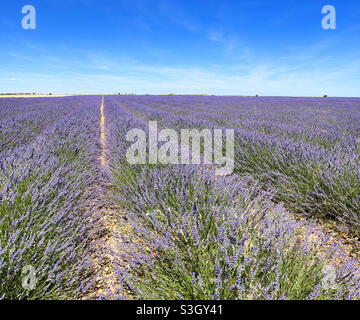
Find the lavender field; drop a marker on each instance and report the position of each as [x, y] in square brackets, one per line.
[90, 225]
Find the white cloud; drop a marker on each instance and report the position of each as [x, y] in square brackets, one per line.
[262, 79]
[229, 42]
[10, 79]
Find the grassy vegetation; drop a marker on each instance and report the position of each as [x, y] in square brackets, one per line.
[193, 237]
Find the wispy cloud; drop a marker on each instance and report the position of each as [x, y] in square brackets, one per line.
[100, 67]
[229, 42]
[176, 14]
[11, 79]
[262, 79]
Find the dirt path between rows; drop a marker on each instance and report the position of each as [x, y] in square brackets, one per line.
[106, 285]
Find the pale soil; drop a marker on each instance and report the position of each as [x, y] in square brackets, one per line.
[347, 242]
[106, 260]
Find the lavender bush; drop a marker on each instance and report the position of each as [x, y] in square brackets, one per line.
[188, 235]
[46, 219]
[306, 150]
[181, 232]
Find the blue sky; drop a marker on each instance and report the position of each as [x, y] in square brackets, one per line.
[245, 47]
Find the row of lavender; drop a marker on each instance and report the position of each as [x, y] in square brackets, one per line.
[304, 150]
[185, 234]
[48, 161]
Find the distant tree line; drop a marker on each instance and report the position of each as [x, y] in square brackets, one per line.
[21, 94]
